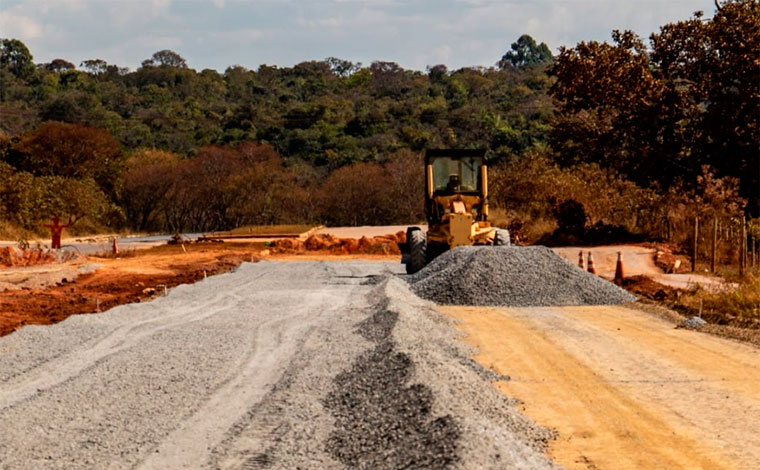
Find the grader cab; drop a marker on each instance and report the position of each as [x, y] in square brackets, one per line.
[456, 207]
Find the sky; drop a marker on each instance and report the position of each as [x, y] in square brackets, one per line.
[216, 34]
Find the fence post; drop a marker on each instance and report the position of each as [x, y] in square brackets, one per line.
[714, 243]
[669, 228]
[743, 247]
[696, 244]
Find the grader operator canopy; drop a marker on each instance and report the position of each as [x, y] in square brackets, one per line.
[456, 175]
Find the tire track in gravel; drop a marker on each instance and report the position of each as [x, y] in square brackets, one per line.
[191, 442]
[237, 372]
[64, 367]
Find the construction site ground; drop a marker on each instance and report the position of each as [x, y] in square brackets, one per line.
[60, 290]
[239, 370]
[623, 389]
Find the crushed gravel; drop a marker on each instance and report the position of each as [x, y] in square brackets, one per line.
[36, 277]
[276, 365]
[382, 421]
[493, 433]
[512, 276]
[693, 323]
[416, 400]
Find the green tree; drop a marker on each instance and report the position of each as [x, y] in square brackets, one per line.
[15, 57]
[607, 99]
[166, 58]
[525, 53]
[59, 65]
[95, 66]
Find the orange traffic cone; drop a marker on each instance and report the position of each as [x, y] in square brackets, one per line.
[581, 262]
[115, 247]
[591, 266]
[619, 271]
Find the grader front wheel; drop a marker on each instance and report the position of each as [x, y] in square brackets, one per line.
[501, 237]
[417, 251]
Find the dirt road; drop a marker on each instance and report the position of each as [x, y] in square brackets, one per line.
[637, 260]
[624, 390]
[277, 364]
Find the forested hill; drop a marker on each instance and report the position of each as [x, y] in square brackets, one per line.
[327, 113]
[674, 118]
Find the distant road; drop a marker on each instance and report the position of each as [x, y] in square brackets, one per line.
[638, 260]
[365, 231]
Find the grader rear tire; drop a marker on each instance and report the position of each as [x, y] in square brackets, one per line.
[417, 251]
[501, 238]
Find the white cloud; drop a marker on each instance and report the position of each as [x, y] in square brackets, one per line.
[156, 43]
[16, 26]
[240, 35]
[332, 22]
[442, 53]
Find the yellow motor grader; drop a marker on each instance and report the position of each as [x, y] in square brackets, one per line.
[456, 207]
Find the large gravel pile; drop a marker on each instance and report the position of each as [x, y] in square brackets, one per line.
[512, 277]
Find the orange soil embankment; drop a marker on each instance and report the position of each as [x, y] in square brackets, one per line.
[382, 245]
[11, 256]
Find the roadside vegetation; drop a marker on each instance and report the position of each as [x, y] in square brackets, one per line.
[742, 303]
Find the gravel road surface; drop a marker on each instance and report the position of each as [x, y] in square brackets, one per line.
[275, 365]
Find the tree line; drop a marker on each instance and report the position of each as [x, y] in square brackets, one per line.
[166, 147]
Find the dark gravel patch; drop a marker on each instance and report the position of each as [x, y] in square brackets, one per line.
[380, 420]
[512, 277]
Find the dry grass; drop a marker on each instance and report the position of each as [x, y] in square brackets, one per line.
[530, 228]
[14, 233]
[746, 335]
[743, 302]
[737, 307]
[83, 228]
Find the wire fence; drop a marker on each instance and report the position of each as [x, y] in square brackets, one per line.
[719, 243]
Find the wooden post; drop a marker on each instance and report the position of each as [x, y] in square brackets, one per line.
[743, 247]
[714, 244]
[696, 245]
[669, 228]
